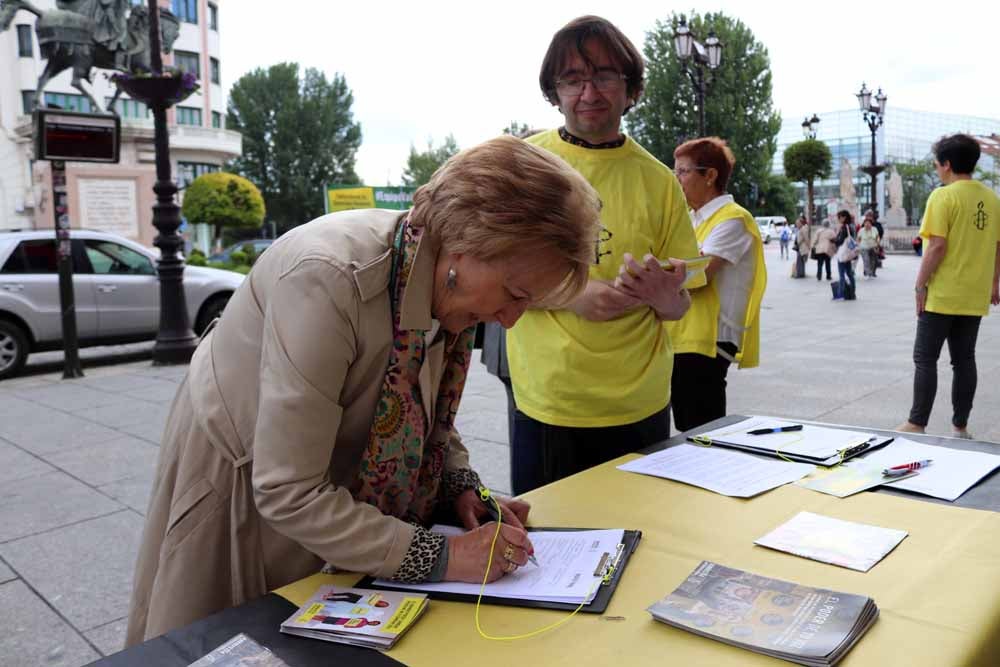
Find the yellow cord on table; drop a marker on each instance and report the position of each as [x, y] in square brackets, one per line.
[486, 497]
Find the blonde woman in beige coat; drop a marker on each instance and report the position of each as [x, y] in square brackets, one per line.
[316, 420]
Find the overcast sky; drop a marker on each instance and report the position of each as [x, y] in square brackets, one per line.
[421, 70]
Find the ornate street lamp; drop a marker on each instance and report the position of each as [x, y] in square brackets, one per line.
[694, 57]
[873, 111]
[810, 126]
[160, 89]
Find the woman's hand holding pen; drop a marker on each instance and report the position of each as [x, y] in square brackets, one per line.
[469, 553]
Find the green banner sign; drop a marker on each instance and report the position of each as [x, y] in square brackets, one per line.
[344, 197]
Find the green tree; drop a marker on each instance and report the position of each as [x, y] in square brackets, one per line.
[420, 166]
[806, 161]
[222, 200]
[738, 105]
[776, 197]
[298, 134]
[919, 180]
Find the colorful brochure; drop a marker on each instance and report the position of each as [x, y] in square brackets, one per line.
[359, 616]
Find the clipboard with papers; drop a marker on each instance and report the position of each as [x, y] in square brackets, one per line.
[609, 566]
[811, 443]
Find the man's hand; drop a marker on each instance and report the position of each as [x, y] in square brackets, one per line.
[658, 288]
[922, 299]
[601, 301]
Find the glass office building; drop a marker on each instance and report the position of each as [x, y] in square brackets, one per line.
[905, 135]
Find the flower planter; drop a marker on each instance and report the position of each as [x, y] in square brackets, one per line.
[156, 90]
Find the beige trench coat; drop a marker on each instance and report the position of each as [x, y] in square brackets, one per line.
[263, 442]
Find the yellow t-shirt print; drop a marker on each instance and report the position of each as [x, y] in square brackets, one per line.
[967, 214]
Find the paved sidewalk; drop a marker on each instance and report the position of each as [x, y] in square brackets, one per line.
[77, 457]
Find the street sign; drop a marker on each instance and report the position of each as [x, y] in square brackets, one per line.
[62, 136]
[76, 137]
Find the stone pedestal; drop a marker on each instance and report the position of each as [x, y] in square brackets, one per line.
[894, 217]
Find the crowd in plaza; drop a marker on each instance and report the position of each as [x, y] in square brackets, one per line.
[316, 423]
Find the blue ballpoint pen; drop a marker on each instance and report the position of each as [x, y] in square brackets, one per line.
[492, 509]
[776, 429]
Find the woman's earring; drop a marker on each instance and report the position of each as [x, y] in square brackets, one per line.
[452, 277]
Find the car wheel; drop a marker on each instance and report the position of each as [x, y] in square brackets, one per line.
[209, 312]
[13, 349]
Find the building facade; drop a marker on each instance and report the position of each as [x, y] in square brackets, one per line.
[116, 198]
[906, 135]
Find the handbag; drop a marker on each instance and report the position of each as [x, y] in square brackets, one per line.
[848, 251]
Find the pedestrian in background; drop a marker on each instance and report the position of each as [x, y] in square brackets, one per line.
[803, 242]
[959, 277]
[869, 244]
[783, 239]
[824, 248]
[846, 254]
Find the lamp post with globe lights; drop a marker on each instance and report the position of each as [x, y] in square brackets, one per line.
[873, 111]
[695, 57]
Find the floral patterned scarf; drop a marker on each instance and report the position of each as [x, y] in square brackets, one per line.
[404, 462]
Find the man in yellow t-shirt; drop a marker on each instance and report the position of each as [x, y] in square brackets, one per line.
[592, 381]
[957, 280]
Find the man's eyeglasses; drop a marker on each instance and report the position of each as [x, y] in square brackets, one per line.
[602, 81]
[684, 171]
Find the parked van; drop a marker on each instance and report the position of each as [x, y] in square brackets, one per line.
[770, 226]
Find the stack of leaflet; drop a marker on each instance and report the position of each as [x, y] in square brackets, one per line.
[358, 616]
[818, 445]
[781, 619]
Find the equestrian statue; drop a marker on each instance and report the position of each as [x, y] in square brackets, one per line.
[84, 34]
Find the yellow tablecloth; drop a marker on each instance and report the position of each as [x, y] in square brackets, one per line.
[938, 591]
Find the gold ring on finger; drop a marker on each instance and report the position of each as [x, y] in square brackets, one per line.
[510, 567]
[508, 552]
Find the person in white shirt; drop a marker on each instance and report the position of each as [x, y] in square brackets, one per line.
[722, 325]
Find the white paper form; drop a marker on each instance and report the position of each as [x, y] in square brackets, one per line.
[814, 441]
[720, 470]
[565, 572]
[951, 473]
[857, 546]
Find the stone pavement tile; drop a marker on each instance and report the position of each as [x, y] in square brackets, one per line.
[158, 391]
[133, 491]
[124, 412]
[483, 425]
[16, 463]
[110, 461]
[151, 432]
[12, 407]
[68, 395]
[6, 574]
[118, 382]
[109, 638]
[53, 431]
[41, 503]
[30, 382]
[492, 462]
[32, 634]
[84, 570]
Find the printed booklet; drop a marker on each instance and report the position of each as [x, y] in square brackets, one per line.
[359, 616]
[240, 651]
[808, 626]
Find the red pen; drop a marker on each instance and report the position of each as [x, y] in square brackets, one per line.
[906, 468]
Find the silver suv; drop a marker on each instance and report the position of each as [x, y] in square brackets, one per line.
[115, 288]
